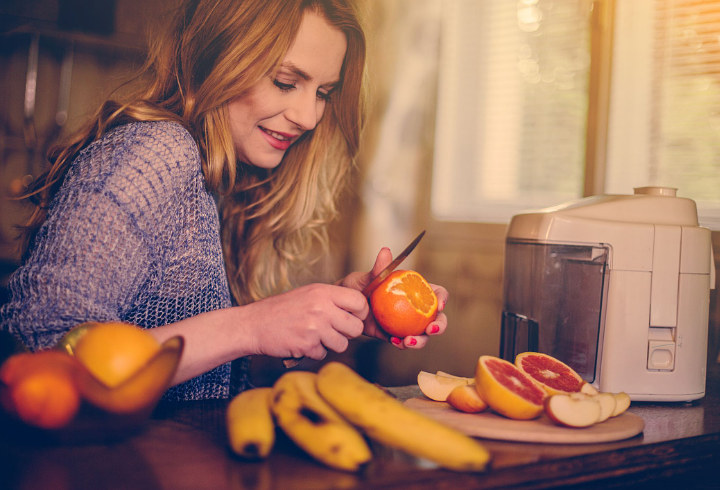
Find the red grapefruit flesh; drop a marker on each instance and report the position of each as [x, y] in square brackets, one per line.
[507, 390]
[554, 376]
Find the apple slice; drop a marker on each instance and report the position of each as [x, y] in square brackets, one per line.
[622, 403]
[438, 387]
[466, 398]
[448, 375]
[572, 411]
[589, 389]
[607, 405]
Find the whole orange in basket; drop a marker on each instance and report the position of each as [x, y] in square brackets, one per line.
[40, 389]
[554, 376]
[508, 390]
[404, 303]
[114, 351]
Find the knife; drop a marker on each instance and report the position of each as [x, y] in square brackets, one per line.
[367, 290]
[372, 285]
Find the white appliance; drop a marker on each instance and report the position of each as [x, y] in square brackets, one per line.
[616, 286]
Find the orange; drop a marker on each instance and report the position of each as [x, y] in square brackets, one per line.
[553, 376]
[404, 304]
[507, 390]
[40, 388]
[113, 352]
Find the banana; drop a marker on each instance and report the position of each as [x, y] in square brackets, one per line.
[250, 425]
[388, 421]
[314, 425]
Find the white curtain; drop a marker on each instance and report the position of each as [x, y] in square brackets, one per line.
[403, 59]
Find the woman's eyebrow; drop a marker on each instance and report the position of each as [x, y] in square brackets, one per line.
[304, 75]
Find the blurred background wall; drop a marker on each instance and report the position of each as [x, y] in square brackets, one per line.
[60, 58]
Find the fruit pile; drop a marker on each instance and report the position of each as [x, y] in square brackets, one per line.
[330, 413]
[118, 368]
[535, 384]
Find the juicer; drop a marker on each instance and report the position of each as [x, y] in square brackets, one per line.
[615, 286]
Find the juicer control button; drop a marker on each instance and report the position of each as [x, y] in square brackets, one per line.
[661, 355]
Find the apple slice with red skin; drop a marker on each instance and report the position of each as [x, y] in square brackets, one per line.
[572, 411]
[466, 398]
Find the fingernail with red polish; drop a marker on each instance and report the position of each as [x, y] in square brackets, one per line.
[395, 340]
[435, 329]
[412, 342]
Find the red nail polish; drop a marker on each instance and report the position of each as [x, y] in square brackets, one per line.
[395, 340]
[412, 342]
[435, 329]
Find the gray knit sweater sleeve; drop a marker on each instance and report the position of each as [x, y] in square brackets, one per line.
[132, 235]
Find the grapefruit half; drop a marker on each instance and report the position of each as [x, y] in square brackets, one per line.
[508, 390]
[554, 376]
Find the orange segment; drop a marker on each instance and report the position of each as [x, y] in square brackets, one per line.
[554, 376]
[507, 390]
[417, 290]
[404, 303]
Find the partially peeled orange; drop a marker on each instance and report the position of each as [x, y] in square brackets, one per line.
[404, 303]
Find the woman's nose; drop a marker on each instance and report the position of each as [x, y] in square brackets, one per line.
[305, 111]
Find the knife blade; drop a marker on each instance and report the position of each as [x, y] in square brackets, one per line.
[372, 285]
[367, 290]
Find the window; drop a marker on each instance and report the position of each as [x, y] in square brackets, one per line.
[665, 100]
[517, 110]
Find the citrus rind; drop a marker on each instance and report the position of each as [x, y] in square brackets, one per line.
[507, 390]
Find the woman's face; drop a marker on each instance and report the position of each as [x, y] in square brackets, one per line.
[273, 114]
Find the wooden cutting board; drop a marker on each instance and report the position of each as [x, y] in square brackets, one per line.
[492, 426]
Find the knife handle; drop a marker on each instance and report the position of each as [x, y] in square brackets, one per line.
[291, 362]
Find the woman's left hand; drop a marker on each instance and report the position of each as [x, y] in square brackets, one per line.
[359, 280]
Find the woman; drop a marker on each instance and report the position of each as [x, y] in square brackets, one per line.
[253, 107]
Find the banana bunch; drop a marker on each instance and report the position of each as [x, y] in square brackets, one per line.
[314, 425]
[298, 409]
[328, 414]
[385, 419]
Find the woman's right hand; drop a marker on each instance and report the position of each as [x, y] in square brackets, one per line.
[305, 322]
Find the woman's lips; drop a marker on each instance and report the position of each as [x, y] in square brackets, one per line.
[279, 141]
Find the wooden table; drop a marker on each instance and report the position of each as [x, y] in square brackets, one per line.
[183, 445]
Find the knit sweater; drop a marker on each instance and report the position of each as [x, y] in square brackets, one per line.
[133, 236]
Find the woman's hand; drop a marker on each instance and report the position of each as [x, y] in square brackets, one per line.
[305, 322]
[358, 280]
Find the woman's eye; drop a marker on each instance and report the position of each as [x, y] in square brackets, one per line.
[324, 96]
[285, 87]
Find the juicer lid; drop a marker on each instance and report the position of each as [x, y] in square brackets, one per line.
[644, 230]
[648, 205]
